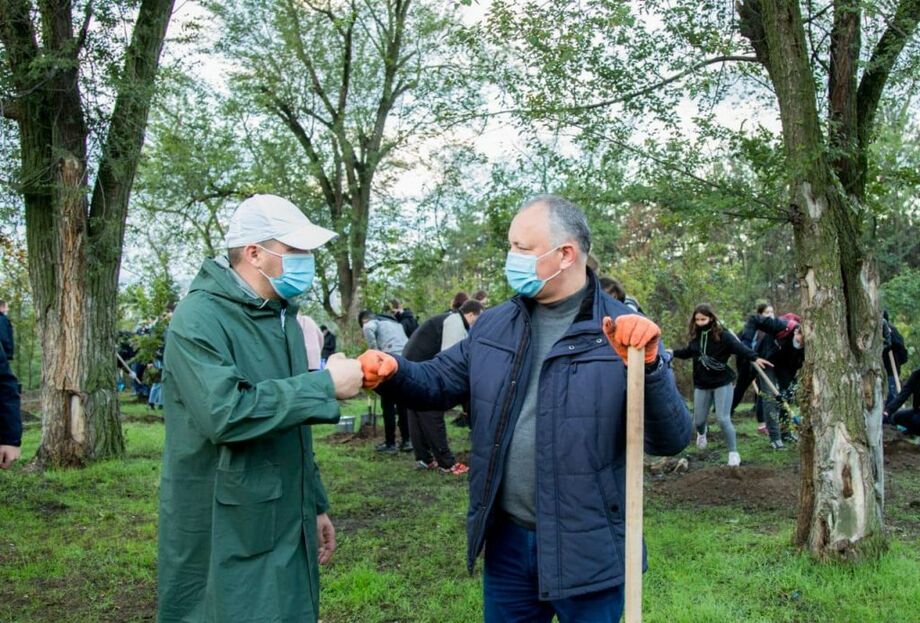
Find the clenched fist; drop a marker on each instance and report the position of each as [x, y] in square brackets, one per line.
[377, 367]
[346, 375]
[632, 330]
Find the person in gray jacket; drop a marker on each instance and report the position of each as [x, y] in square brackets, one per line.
[384, 333]
[457, 325]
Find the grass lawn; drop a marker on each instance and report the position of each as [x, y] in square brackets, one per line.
[81, 545]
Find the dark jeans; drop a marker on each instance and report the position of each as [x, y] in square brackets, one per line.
[746, 374]
[390, 410]
[429, 438]
[510, 587]
[907, 419]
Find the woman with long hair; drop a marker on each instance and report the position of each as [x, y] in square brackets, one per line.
[710, 347]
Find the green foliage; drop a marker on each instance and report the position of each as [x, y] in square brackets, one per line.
[900, 296]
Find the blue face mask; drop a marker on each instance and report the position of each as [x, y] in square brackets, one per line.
[297, 273]
[521, 273]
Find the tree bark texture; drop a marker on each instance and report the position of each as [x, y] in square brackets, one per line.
[75, 242]
[841, 499]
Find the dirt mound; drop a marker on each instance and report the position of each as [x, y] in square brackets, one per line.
[751, 487]
[901, 453]
[364, 433]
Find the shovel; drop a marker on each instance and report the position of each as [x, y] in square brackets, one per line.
[635, 440]
[894, 371]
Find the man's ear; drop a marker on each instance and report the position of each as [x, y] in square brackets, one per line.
[569, 255]
[251, 254]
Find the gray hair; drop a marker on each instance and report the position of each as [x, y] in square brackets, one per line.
[566, 221]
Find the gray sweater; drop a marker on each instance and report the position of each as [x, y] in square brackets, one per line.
[548, 324]
[385, 334]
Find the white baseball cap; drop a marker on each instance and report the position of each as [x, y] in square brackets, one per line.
[267, 217]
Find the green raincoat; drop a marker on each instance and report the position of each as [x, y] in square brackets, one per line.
[240, 491]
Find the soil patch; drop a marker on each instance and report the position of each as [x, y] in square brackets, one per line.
[756, 488]
[901, 453]
[147, 418]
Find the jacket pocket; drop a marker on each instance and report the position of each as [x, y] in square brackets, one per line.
[245, 513]
[607, 488]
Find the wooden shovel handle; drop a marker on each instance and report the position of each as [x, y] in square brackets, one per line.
[635, 440]
[894, 371]
[767, 381]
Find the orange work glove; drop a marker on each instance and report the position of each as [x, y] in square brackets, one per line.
[632, 330]
[377, 367]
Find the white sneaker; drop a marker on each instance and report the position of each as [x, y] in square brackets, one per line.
[734, 459]
[701, 442]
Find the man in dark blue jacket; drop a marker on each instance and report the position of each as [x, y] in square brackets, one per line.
[7, 342]
[548, 410]
[10, 419]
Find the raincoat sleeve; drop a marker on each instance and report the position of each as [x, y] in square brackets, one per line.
[319, 491]
[226, 407]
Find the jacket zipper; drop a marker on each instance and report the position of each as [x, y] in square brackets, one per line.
[502, 423]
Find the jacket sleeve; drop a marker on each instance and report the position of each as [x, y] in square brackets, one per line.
[766, 324]
[911, 387]
[10, 418]
[737, 347]
[434, 385]
[226, 407]
[370, 334]
[319, 491]
[6, 337]
[684, 353]
[667, 420]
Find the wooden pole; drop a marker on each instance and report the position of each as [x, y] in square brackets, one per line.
[635, 441]
[894, 371]
[766, 379]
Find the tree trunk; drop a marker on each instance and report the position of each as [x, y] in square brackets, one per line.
[75, 245]
[842, 491]
[841, 498]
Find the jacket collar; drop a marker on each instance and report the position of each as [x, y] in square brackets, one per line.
[589, 313]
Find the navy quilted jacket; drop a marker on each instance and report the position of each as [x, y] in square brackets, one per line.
[580, 451]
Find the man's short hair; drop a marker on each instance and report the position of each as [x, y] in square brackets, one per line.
[2, 303]
[235, 254]
[394, 303]
[566, 221]
[323, 327]
[364, 314]
[481, 295]
[472, 306]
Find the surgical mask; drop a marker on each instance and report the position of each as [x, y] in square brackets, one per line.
[521, 273]
[297, 273]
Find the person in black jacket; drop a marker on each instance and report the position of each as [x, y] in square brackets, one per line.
[329, 343]
[710, 348]
[426, 428]
[403, 317]
[784, 346]
[894, 351]
[906, 419]
[10, 418]
[7, 342]
[753, 339]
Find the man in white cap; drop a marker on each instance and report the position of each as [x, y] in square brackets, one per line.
[243, 514]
